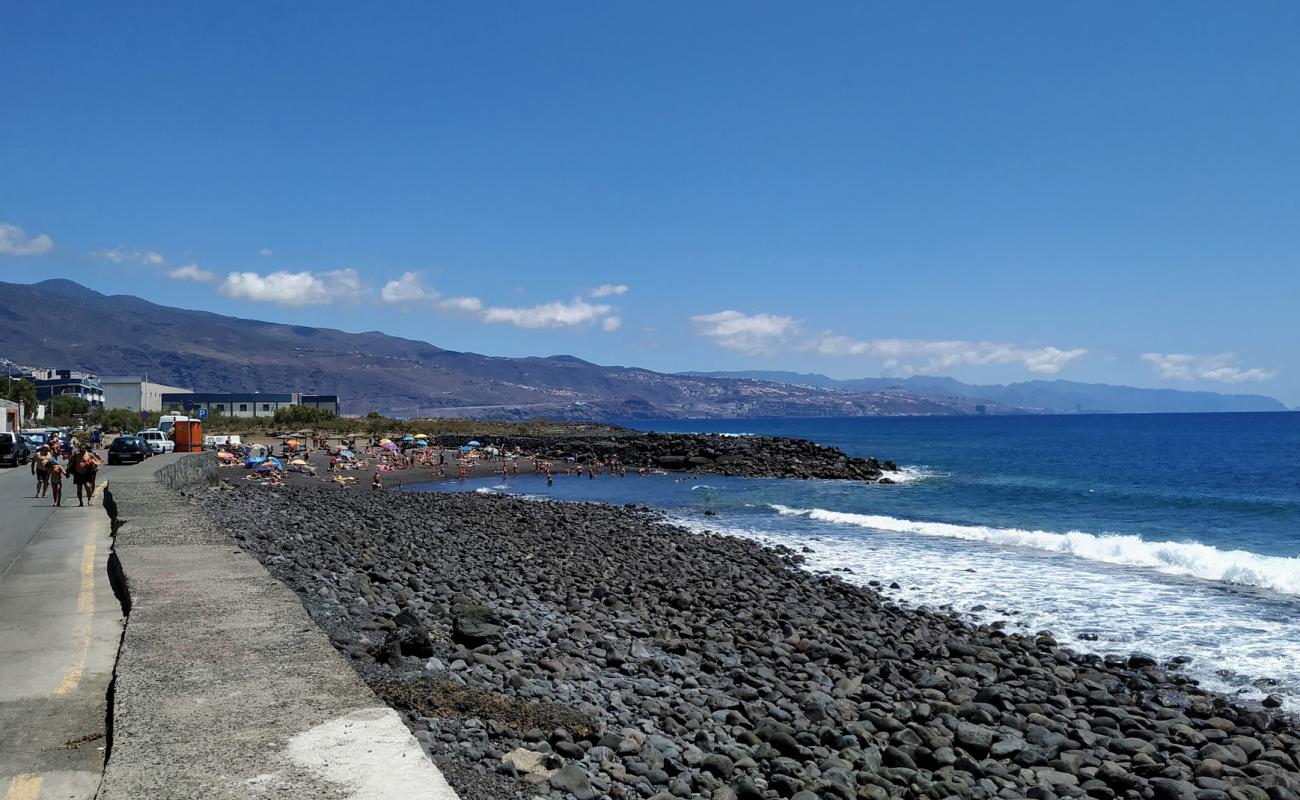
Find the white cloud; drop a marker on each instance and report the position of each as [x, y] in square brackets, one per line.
[294, 288]
[406, 289]
[548, 315]
[15, 242]
[749, 334]
[461, 305]
[608, 289]
[265, 251]
[409, 288]
[914, 355]
[768, 334]
[192, 272]
[119, 255]
[1220, 368]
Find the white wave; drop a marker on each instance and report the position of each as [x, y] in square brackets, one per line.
[702, 486]
[909, 474]
[735, 435]
[1241, 567]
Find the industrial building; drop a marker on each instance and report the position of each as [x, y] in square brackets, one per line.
[136, 393]
[248, 404]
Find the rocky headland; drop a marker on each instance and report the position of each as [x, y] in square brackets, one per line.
[560, 650]
[741, 456]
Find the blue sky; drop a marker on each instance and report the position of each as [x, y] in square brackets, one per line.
[994, 191]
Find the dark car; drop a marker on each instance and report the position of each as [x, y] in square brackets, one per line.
[128, 450]
[14, 449]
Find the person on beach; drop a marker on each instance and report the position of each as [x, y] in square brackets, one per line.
[56, 481]
[376, 484]
[41, 469]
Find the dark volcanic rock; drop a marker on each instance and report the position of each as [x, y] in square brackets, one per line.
[744, 456]
[561, 650]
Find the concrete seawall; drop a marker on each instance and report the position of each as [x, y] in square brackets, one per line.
[224, 687]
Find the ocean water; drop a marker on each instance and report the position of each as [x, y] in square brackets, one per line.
[1174, 535]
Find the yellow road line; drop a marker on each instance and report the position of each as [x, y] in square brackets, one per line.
[25, 787]
[86, 605]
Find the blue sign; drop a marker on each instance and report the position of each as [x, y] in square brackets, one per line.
[203, 413]
[144, 415]
[187, 405]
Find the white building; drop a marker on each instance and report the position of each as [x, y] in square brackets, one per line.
[136, 393]
[10, 416]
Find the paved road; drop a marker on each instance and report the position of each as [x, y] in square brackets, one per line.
[60, 626]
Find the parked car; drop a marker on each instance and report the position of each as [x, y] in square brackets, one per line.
[157, 441]
[14, 449]
[128, 450]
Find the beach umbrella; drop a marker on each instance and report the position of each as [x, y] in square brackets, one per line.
[390, 446]
[422, 436]
[408, 438]
[474, 444]
[253, 462]
[421, 443]
[298, 462]
[385, 441]
[464, 449]
[292, 442]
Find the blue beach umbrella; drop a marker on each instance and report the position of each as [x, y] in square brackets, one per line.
[464, 449]
[421, 443]
[253, 462]
[475, 444]
[408, 438]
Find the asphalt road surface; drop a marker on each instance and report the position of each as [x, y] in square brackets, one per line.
[60, 626]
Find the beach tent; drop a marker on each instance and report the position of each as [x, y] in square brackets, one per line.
[269, 465]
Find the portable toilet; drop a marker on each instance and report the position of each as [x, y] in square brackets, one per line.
[188, 435]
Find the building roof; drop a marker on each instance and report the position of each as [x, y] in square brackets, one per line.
[228, 397]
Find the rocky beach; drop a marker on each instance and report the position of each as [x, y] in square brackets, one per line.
[563, 650]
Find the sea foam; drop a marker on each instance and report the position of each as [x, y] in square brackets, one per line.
[1239, 567]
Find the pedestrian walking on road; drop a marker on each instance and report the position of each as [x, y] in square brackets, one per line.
[56, 481]
[84, 471]
[41, 469]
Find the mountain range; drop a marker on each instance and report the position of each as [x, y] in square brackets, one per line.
[1057, 396]
[61, 324]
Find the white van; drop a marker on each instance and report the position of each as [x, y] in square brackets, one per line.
[157, 441]
[167, 421]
